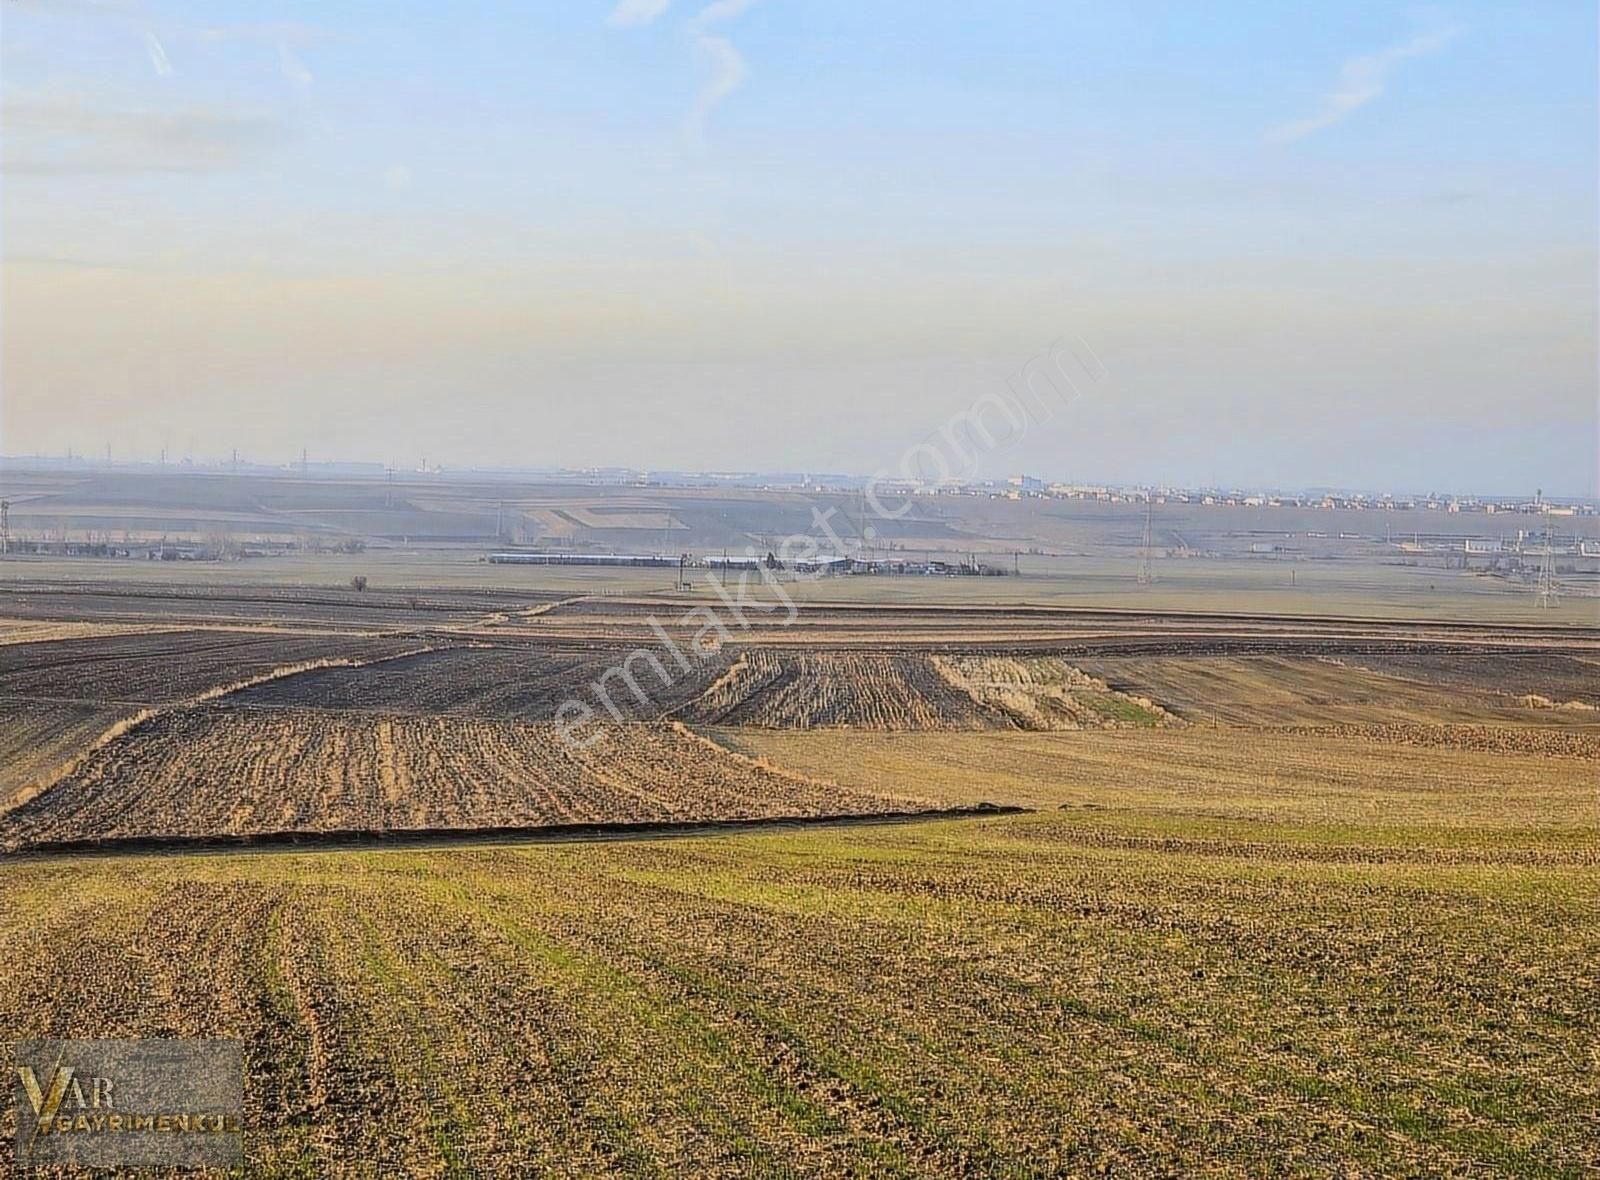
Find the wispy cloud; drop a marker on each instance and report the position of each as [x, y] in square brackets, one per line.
[158, 55]
[1361, 79]
[629, 13]
[728, 70]
[293, 69]
[56, 136]
[284, 38]
[727, 66]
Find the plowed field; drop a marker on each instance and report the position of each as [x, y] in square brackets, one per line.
[221, 771]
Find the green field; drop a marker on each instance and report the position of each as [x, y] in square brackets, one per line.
[1143, 985]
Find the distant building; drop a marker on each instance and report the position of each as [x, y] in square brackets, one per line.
[613, 559]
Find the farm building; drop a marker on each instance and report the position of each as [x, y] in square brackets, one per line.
[622, 559]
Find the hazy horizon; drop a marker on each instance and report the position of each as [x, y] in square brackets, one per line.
[1354, 249]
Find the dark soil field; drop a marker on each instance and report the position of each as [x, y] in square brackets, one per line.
[525, 682]
[789, 689]
[166, 666]
[247, 604]
[216, 771]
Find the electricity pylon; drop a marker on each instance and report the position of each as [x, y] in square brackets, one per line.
[1549, 590]
[1145, 574]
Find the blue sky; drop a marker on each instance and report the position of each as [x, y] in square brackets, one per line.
[1329, 244]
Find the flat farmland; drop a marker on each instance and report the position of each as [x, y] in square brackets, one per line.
[1315, 895]
[1045, 994]
[168, 666]
[524, 682]
[1131, 628]
[1469, 778]
[38, 736]
[1426, 687]
[784, 688]
[801, 690]
[218, 771]
[1569, 681]
[218, 604]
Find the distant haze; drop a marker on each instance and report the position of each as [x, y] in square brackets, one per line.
[1347, 246]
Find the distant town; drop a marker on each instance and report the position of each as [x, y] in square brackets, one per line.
[1013, 487]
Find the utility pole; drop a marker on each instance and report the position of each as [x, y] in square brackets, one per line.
[5, 527]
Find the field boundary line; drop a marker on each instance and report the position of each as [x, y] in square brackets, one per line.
[731, 673]
[505, 620]
[379, 838]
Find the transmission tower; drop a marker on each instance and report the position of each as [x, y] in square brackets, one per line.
[1145, 575]
[1549, 591]
[5, 526]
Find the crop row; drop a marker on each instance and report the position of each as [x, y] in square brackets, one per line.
[524, 683]
[1490, 739]
[228, 771]
[952, 1000]
[166, 666]
[1046, 692]
[786, 689]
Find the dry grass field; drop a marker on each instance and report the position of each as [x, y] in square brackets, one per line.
[1307, 896]
[1365, 688]
[1530, 780]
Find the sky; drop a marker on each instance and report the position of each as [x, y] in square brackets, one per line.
[1343, 244]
